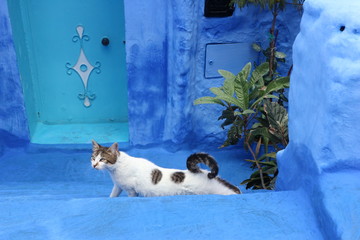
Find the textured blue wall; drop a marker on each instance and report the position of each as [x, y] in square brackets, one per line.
[165, 55]
[165, 44]
[13, 123]
[323, 156]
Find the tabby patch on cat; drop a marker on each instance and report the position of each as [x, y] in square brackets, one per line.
[139, 176]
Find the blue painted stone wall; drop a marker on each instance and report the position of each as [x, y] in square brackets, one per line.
[165, 44]
[165, 56]
[323, 156]
[13, 123]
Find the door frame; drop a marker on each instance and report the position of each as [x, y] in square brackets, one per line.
[23, 42]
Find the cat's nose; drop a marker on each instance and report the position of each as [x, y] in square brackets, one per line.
[94, 165]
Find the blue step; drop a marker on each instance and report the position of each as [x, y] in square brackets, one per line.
[264, 215]
[51, 192]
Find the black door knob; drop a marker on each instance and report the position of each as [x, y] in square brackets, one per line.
[105, 41]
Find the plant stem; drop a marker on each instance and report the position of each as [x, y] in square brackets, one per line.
[257, 165]
[284, 142]
[290, 70]
[273, 34]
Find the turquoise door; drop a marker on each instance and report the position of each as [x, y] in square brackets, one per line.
[75, 61]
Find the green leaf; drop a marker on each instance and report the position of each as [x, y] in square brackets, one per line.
[278, 84]
[256, 47]
[256, 125]
[280, 55]
[217, 91]
[270, 170]
[262, 98]
[271, 96]
[234, 133]
[228, 113]
[272, 164]
[221, 95]
[245, 181]
[246, 70]
[254, 137]
[242, 87]
[271, 155]
[278, 120]
[226, 74]
[255, 94]
[248, 111]
[208, 100]
[228, 86]
[260, 132]
[255, 174]
[229, 116]
[258, 74]
[242, 94]
[283, 97]
[276, 114]
[227, 122]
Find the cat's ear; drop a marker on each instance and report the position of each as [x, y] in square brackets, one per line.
[96, 146]
[114, 148]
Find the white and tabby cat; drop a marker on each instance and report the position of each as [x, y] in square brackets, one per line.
[138, 176]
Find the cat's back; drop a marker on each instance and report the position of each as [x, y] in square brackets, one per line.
[139, 163]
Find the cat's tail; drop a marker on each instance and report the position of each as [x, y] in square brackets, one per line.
[196, 158]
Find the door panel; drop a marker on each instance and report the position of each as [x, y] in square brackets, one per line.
[56, 44]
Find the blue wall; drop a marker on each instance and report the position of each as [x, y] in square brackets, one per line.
[165, 55]
[165, 44]
[323, 156]
[166, 59]
[12, 111]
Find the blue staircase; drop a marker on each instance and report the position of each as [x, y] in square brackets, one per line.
[54, 194]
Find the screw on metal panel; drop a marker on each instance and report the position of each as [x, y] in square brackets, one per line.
[211, 62]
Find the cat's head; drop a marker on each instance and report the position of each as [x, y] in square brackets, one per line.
[104, 157]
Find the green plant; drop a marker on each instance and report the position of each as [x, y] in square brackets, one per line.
[259, 122]
[249, 107]
[277, 57]
[272, 129]
[274, 6]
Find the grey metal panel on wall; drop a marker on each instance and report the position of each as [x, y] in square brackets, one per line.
[228, 56]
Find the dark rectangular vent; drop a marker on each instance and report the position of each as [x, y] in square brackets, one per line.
[218, 8]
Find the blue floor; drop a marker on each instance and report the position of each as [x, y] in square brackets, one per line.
[51, 192]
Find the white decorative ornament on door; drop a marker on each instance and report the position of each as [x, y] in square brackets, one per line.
[83, 67]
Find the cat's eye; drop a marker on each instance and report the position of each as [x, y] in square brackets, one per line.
[92, 159]
[103, 160]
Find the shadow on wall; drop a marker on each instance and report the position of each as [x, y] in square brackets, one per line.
[9, 140]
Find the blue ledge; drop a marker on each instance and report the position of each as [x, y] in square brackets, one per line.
[53, 193]
[276, 215]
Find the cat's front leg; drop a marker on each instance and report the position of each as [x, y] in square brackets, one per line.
[132, 193]
[115, 191]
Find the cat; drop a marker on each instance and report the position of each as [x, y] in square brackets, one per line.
[140, 177]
